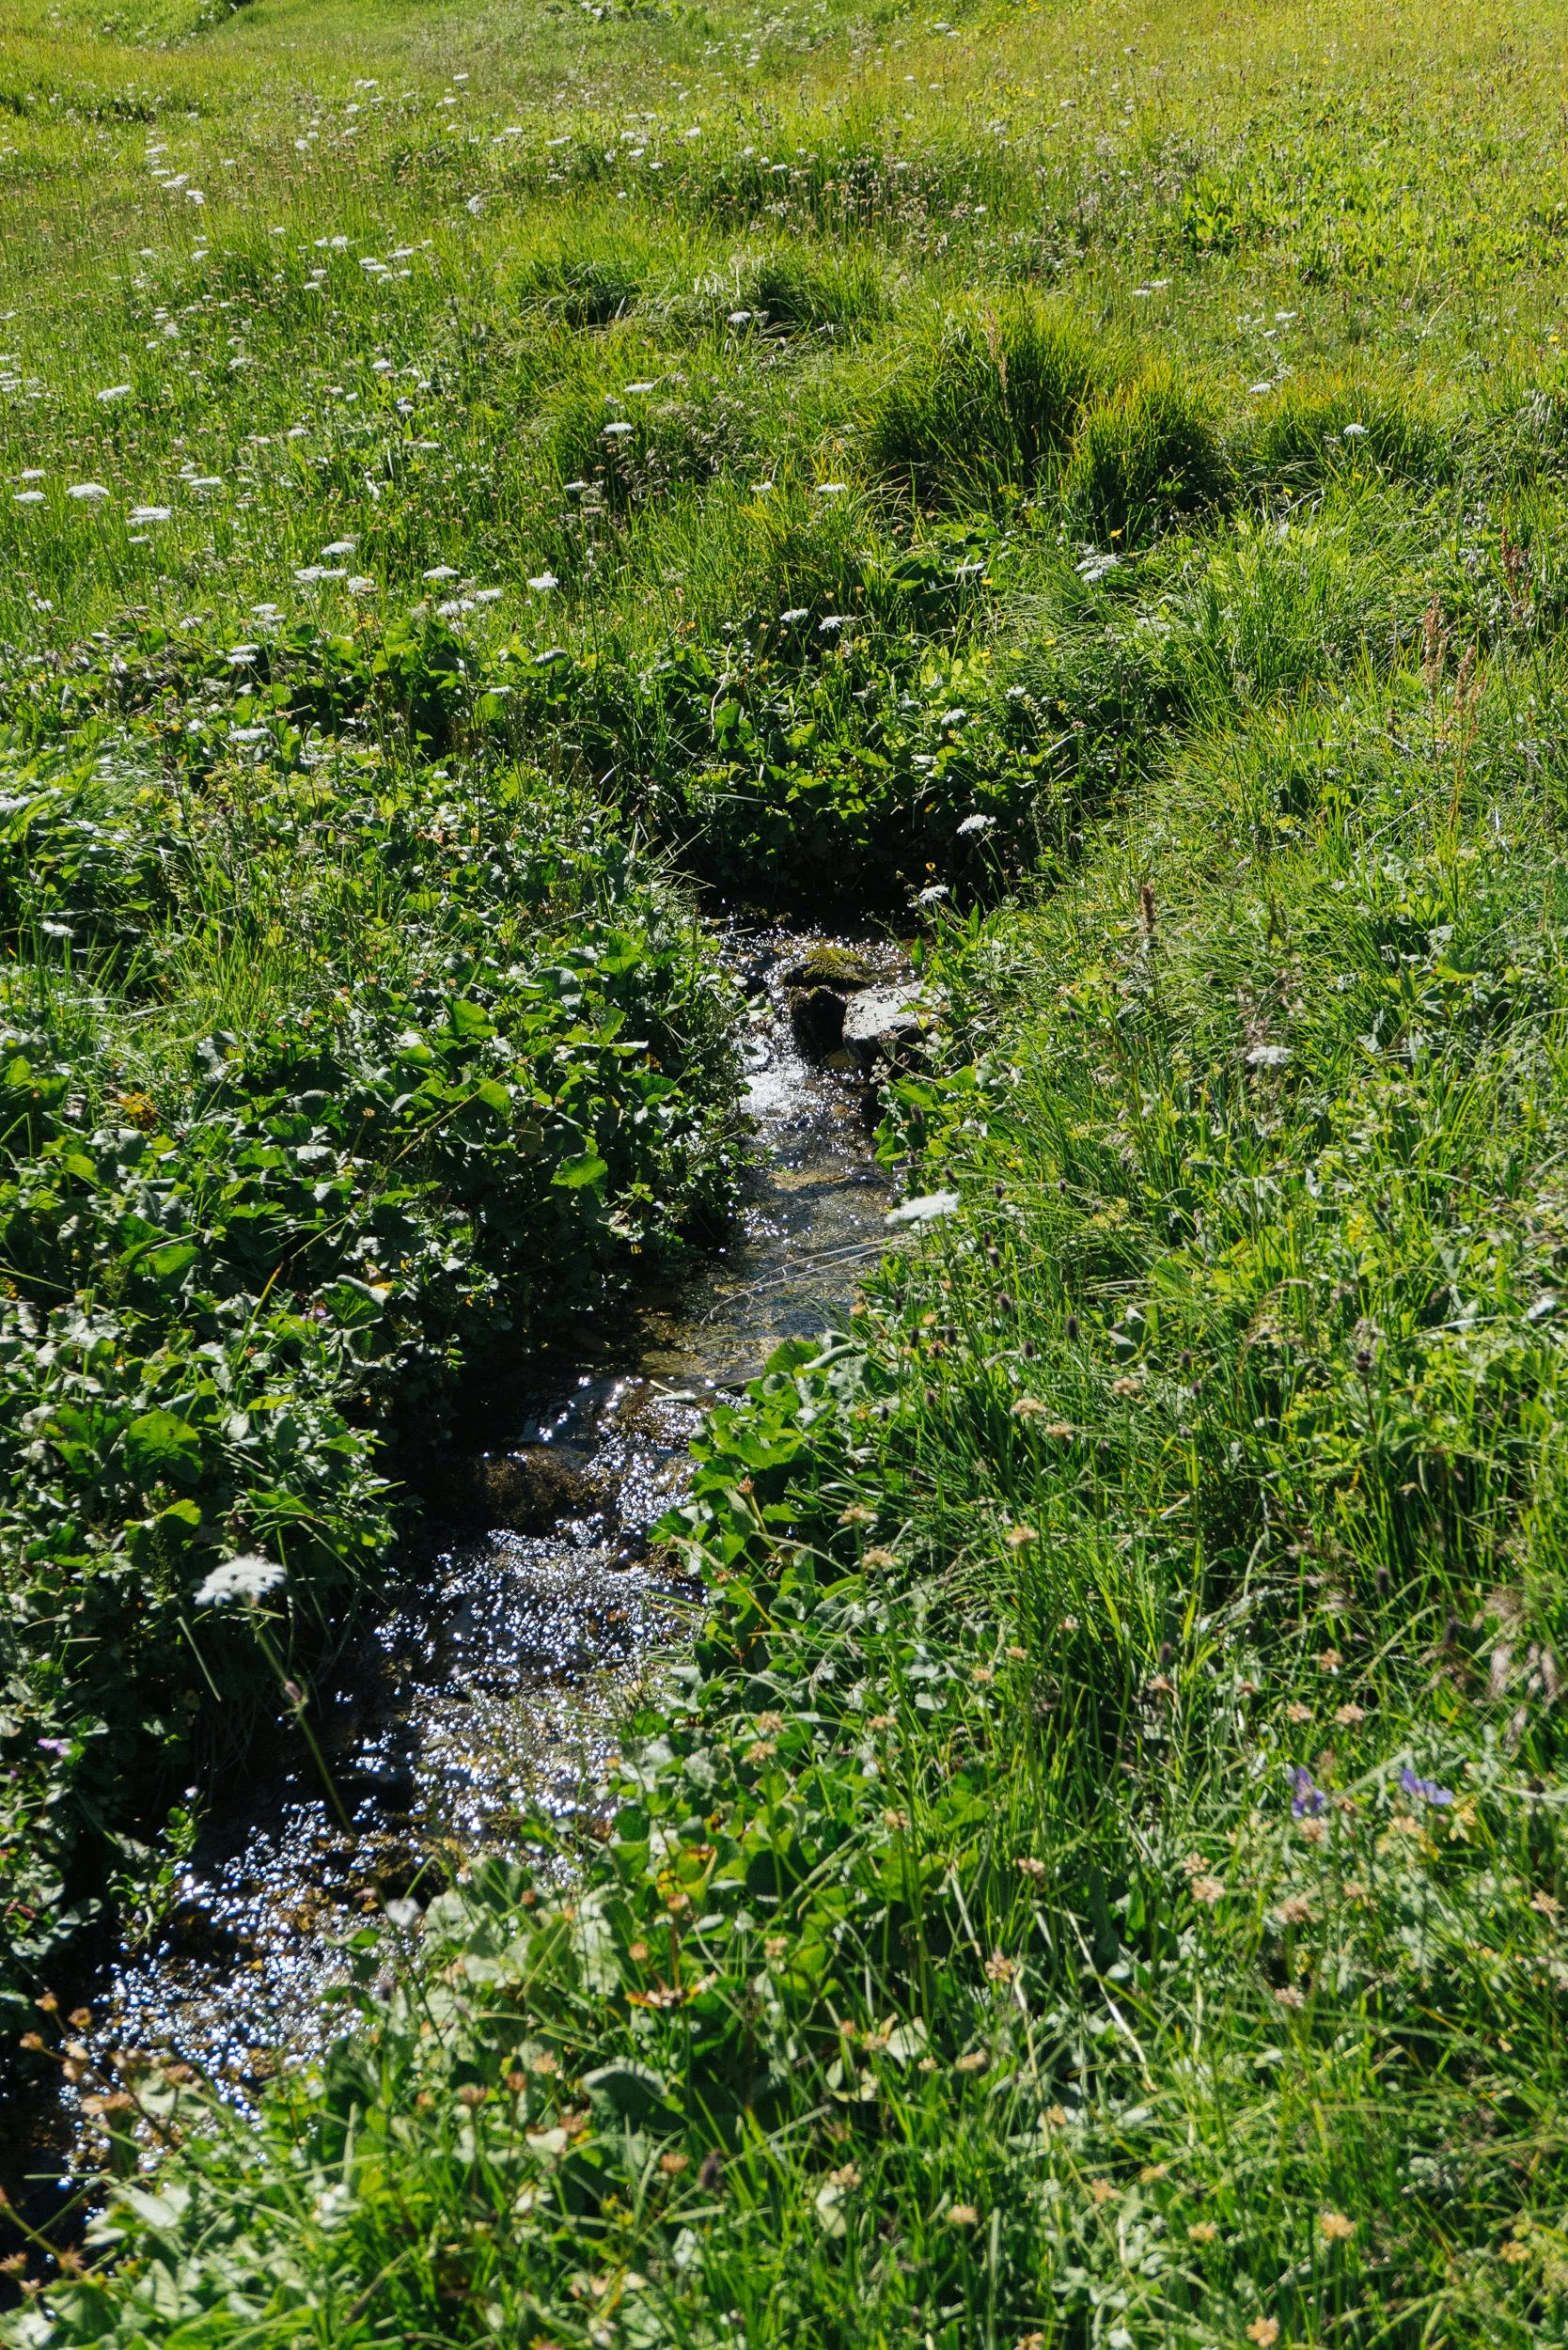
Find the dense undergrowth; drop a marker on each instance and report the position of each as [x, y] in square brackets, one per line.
[1097, 1879]
[316, 1099]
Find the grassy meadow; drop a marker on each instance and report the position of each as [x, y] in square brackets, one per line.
[485, 486]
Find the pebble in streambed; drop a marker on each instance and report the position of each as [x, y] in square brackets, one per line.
[493, 1683]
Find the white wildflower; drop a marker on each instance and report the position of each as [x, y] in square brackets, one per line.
[926, 1209]
[248, 1578]
[91, 492]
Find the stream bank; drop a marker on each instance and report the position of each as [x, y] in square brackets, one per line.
[490, 1684]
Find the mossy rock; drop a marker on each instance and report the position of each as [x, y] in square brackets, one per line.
[829, 966]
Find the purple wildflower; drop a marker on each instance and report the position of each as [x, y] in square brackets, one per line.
[60, 1746]
[1307, 1797]
[1428, 1789]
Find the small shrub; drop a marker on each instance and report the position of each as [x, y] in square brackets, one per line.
[984, 397]
[1144, 456]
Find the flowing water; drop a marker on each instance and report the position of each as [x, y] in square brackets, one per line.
[493, 1681]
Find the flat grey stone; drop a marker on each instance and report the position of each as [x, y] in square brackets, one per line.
[885, 1020]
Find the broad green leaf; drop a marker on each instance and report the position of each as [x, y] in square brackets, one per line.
[470, 1020]
[161, 1445]
[168, 1263]
[573, 1174]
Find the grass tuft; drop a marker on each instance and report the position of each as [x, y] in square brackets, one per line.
[1144, 457]
[980, 397]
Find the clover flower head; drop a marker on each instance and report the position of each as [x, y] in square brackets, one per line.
[1427, 1789]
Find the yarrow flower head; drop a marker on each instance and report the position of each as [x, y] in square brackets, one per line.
[247, 1578]
[1428, 1789]
[926, 1209]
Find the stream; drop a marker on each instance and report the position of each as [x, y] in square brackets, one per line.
[491, 1682]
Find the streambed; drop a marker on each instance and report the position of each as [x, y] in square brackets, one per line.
[492, 1681]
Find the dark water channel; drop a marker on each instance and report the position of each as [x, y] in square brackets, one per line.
[493, 1679]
